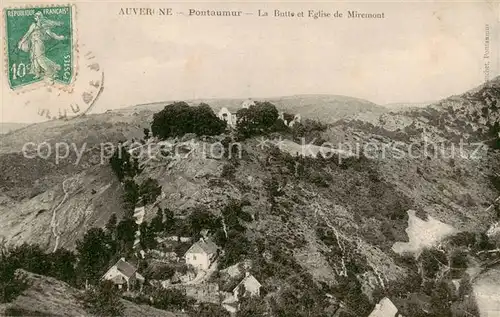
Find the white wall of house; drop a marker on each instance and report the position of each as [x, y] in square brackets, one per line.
[200, 261]
[249, 288]
[113, 272]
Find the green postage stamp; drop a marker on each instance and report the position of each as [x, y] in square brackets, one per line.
[40, 45]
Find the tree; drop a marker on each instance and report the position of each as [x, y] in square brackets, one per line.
[104, 300]
[236, 248]
[257, 119]
[157, 221]
[122, 165]
[200, 219]
[205, 122]
[10, 285]
[171, 299]
[59, 264]
[131, 196]
[149, 191]
[63, 266]
[179, 118]
[111, 225]
[147, 237]
[169, 219]
[31, 258]
[94, 254]
[125, 233]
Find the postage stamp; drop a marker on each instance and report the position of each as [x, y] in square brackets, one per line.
[40, 45]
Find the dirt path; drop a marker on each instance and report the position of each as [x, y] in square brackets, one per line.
[54, 224]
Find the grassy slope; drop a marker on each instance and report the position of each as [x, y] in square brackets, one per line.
[6, 127]
[47, 296]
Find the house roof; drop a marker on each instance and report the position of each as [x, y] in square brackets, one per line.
[206, 246]
[249, 280]
[125, 268]
[385, 308]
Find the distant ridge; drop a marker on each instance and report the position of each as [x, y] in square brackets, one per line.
[6, 127]
[329, 108]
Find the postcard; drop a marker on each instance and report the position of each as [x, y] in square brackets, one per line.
[248, 158]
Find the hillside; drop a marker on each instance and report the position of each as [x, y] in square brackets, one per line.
[6, 127]
[32, 203]
[471, 116]
[47, 296]
[348, 226]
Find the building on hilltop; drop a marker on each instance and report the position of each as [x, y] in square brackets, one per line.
[124, 275]
[247, 103]
[202, 254]
[296, 119]
[226, 115]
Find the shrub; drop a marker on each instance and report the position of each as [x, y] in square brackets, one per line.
[432, 260]
[210, 310]
[104, 300]
[163, 272]
[310, 130]
[171, 299]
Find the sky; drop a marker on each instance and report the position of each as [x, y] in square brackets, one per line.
[418, 52]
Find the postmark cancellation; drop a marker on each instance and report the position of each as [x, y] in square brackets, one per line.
[42, 57]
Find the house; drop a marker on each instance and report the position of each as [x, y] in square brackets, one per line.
[296, 119]
[247, 103]
[226, 115]
[281, 116]
[124, 275]
[249, 286]
[202, 254]
[385, 308]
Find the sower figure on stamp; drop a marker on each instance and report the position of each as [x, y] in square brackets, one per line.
[33, 42]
